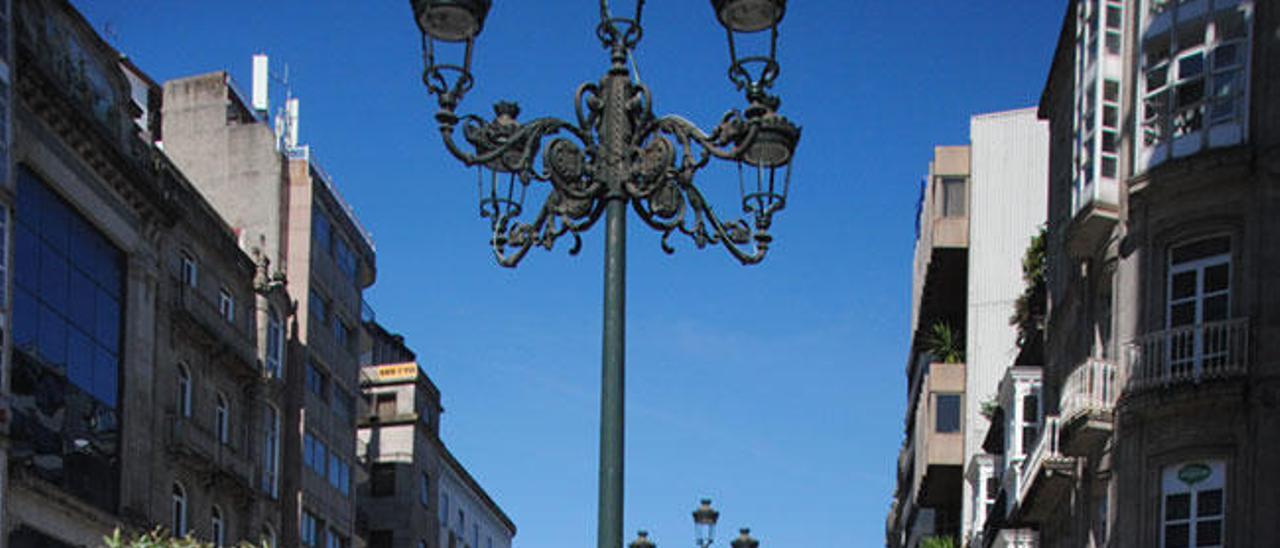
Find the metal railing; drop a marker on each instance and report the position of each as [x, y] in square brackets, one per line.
[1046, 448]
[1188, 354]
[1092, 388]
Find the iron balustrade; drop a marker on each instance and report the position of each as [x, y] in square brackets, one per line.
[1188, 354]
[1046, 449]
[1092, 387]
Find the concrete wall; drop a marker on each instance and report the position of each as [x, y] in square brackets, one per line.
[1007, 205]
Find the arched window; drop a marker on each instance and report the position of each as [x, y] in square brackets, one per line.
[270, 450]
[275, 345]
[179, 510]
[217, 528]
[222, 419]
[268, 537]
[184, 390]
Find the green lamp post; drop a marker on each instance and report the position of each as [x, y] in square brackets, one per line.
[616, 154]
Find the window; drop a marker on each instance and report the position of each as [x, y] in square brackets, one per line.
[317, 381]
[226, 305]
[315, 454]
[67, 331]
[268, 537]
[1030, 417]
[336, 540]
[1193, 505]
[321, 230]
[310, 528]
[947, 418]
[475, 535]
[444, 507]
[222, 419]
[953, 197]
[345, 258]
[319, 307]
[275, 345]
[184, 390]
[217, 529]
[339, 474]
[270, 450]
[1194, 89]
[1199, 299]
[385, 406]
[344, 405]
[179, 523]
[190, 270]
[383, 480]
[341, 334]
[424, 489]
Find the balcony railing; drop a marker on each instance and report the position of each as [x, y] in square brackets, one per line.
[1046, 450]
[1188, 354]
[189, 438]
[1092, 388]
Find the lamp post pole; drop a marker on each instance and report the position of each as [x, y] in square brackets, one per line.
[615, 132]
[616, 154]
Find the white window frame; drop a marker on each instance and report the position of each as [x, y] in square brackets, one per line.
[1158, 137]
[226, 305]
[268, 537]
[271, 451]
[184, 390]
[222, 418]
[190, 270]
[1199, 296]
[217, 526]
[1172, 485]
[179, 510]
[275, 345]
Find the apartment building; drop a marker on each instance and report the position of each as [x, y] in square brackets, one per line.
[272, 190]
[400, 439]
[416, 494]
[1158, 421]
[140, 363]
[979, 208]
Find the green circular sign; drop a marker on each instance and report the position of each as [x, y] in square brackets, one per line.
[1192, 474]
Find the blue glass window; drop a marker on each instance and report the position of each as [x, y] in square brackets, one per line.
[67, 323]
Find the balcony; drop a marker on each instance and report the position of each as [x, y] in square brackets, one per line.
[200, 312]
[1047, 477]
[1095, 212]
[1188, 355]
[199, 447]
[1088, 401]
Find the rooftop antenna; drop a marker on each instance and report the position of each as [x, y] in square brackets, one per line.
[286, 117]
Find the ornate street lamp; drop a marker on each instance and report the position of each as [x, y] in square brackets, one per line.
[704, 523]
[616, 153]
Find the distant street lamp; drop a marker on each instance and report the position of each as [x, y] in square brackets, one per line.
[616, 153]
[704, 523]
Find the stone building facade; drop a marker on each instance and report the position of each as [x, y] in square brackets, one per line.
[275, 193]
[138, 373]
[1161, 377]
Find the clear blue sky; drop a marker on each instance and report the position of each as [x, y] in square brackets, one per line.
[777, 389]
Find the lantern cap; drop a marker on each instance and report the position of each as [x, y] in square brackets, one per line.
[642, 541]
[451, 20]
[744, 539]
[749, 15]
[705, 514]
[774, 143]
